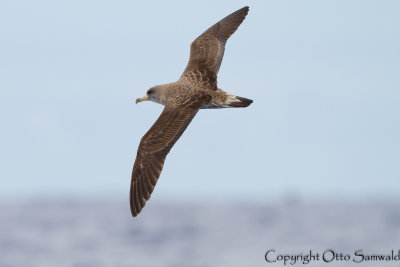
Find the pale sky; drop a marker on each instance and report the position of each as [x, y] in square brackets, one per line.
[324, 77]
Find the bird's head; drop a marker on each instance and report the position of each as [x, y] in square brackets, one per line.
[155, 94]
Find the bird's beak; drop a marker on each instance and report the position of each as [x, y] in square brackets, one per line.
[145, 98]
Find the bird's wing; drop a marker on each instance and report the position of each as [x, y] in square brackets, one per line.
[207, 50]
[154, 147]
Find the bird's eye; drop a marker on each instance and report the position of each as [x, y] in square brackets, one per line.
[150, 91]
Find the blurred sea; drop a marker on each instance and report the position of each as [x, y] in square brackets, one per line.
[102, 233]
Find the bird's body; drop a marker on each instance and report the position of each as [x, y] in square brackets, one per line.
[196, 89]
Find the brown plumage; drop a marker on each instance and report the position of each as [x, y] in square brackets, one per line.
[196, 89]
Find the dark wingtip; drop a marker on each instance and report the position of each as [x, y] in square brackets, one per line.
[245, 8]
[134, 210]
[132, 206]
[244, 102]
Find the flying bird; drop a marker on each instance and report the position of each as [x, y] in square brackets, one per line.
[196, 89]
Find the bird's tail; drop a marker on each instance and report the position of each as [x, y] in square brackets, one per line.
[237, 102]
